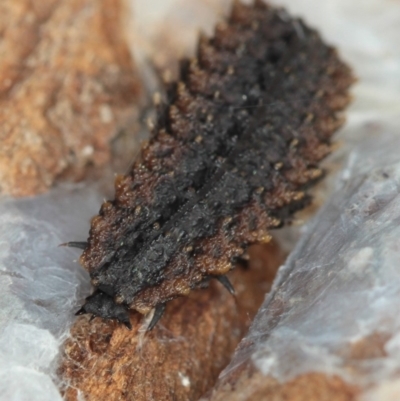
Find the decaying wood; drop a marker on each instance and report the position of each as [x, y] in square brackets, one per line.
[67, 82]
[183, 355]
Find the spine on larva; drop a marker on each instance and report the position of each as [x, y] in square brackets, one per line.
[235, 146]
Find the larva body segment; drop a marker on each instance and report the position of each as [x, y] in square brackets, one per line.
[234, 148]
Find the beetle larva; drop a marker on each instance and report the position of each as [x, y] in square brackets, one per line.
[234, 148]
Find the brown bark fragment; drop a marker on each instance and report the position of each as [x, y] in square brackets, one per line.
[66, 81]
[369, 347]
[254, 386]
[183, 355]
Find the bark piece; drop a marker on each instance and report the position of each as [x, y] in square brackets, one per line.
[66, 83]
[254, 386]
[183, 355]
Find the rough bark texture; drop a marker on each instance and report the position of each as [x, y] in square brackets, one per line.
[252, 385]
[66, 84]
[183, 355]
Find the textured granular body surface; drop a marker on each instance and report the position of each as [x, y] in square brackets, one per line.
[236, 144]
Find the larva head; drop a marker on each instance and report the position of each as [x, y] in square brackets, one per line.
[102, 305]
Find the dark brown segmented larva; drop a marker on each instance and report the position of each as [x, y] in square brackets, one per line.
[234, 148]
